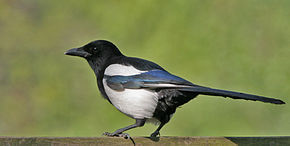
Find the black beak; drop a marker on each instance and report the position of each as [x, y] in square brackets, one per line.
[78, 52]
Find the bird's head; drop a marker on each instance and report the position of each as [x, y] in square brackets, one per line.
[95, 49]
[97, 53]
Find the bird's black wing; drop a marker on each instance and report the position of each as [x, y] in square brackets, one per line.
[160, 79]
[152, 79]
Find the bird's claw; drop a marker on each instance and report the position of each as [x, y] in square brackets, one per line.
[124, 135]
[108, 134]
[155, 134]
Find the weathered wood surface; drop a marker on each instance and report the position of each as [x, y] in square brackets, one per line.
[164, 141]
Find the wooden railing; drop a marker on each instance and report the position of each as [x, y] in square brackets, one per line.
[182, 141]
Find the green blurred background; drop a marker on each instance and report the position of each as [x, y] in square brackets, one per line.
[235, 45]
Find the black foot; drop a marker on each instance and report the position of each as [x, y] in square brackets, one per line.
[124, 135]
[155, 134]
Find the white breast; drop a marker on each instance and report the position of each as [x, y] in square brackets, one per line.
[136, 103]
[123, 70]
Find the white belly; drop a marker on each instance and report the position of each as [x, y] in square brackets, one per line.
[136, 103]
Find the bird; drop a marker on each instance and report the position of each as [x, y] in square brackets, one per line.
[142, 89]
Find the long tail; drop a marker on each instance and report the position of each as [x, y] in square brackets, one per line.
[231, 94]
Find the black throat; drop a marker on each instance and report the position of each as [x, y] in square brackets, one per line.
[97, 65]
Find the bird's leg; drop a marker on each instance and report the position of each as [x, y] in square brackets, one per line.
[156, 132]
[119, 132]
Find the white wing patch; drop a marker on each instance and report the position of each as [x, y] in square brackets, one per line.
[166, 86]
[122, 70]
[136, 103]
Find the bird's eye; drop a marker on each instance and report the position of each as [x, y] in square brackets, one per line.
[95, 50]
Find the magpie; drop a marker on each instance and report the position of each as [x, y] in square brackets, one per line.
[143, 90]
